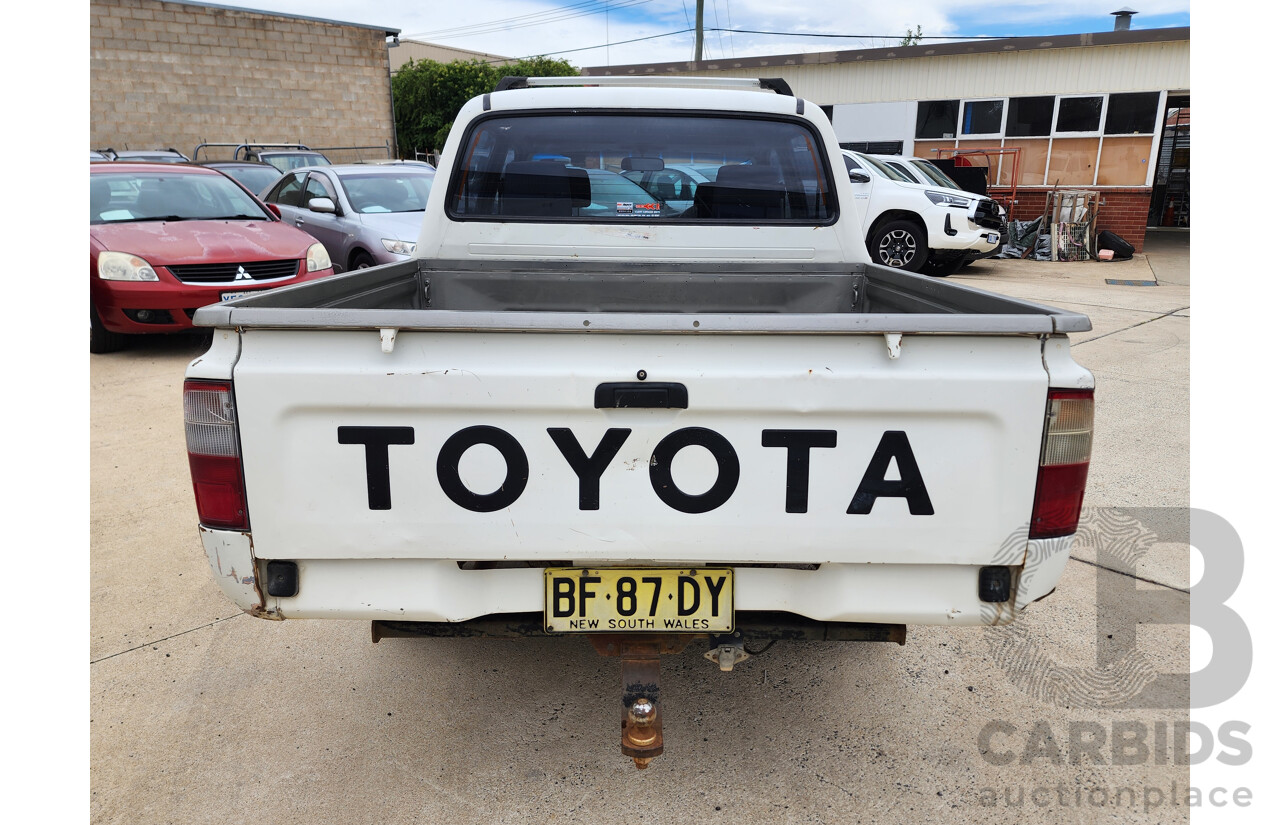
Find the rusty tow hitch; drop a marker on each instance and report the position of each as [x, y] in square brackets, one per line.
[641, 688]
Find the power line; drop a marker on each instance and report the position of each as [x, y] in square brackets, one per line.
[733, 47]
[570, 12]
[589, 48]
[868, 36]
[744, 31]
[715, 9]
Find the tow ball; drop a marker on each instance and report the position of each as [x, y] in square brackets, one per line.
[641, 688]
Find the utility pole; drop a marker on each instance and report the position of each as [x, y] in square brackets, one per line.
[697, 38]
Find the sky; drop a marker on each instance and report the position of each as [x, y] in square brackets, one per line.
[593, 32]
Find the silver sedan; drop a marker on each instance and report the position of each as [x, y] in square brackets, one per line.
[364, 214]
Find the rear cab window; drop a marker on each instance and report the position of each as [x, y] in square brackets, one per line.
[641, 166]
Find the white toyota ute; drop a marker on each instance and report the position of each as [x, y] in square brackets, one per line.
[646, 423]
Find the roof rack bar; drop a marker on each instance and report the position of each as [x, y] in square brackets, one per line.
[773, 84]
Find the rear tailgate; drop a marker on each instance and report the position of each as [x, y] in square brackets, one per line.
[316, 405]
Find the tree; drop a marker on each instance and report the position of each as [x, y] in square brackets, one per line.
[912, 39]
[428, 94]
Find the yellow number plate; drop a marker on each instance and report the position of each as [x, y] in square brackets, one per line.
[646, 600]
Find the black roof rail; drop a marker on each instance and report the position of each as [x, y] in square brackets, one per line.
[778, 85]
[511, 82]
[773, 84]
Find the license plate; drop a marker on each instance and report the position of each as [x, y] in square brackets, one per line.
[645, 600]
[993, 238]
[231, 296]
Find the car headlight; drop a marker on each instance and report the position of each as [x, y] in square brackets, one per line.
[948, 199]
[318, 258]
[398, 247]
[122, 266]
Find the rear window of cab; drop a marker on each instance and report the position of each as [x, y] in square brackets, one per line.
[641, 166]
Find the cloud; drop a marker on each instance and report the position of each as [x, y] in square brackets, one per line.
[574, 24]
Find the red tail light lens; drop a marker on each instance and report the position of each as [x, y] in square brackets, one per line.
[1064, 463]
[213, 451]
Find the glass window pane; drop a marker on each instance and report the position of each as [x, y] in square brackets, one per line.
[1135, 113]
[982, 117]
[555, 166]
[1079, 114]
[937, 118]
[1029, 116]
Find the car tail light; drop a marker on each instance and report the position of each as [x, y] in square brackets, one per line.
[1064, 463]
[213, 450]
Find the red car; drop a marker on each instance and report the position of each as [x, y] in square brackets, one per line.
[165, 240]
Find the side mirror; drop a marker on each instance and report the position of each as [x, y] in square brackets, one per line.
[322, 205]
[274, 210]
[856, 176]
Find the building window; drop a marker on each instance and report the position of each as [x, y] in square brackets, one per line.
[937, 119]
[1065, 140]
[1079, 114]
[983, 117]
[1132, 114]
[875, 147]
[1030, 116]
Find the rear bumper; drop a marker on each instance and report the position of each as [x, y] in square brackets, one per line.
[435, 590]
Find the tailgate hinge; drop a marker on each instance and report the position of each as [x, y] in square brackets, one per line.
[388, 335]
[893, 340]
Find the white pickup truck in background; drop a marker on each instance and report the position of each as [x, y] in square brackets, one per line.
[927, 228]
[644, 422]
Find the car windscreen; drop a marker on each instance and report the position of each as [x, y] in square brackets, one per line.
[254, 178]
[885, 170]
[935, 174]
[156, 158]
[286, 161]
[556, 166]
[371, 194]
[131, 197]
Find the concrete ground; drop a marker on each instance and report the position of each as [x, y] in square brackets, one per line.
[202, 714]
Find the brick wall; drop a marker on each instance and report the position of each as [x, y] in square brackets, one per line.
[168, 74]
[1123, 211]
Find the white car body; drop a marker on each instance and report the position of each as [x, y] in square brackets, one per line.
[957, 398]
[954, 226]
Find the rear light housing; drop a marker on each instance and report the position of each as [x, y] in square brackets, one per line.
[1064, 463]
[213, 450]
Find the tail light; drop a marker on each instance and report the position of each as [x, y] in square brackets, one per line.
[1064, 463]
[214, 453]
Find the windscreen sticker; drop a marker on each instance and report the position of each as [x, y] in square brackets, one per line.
[626, 208]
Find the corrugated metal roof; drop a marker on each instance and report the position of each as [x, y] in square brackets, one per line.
[963, 47]
[1160, 60]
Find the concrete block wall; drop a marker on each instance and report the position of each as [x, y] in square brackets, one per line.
[1123, 211]
[176, 75]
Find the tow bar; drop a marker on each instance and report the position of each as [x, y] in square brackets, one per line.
[641, 688]
[641, 711]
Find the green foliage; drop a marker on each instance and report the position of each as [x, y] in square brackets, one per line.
[912, 38]
[428, 94]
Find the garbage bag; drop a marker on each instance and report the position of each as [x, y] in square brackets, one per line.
[1110, 240]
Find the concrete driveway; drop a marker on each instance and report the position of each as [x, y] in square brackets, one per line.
[202, 714]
